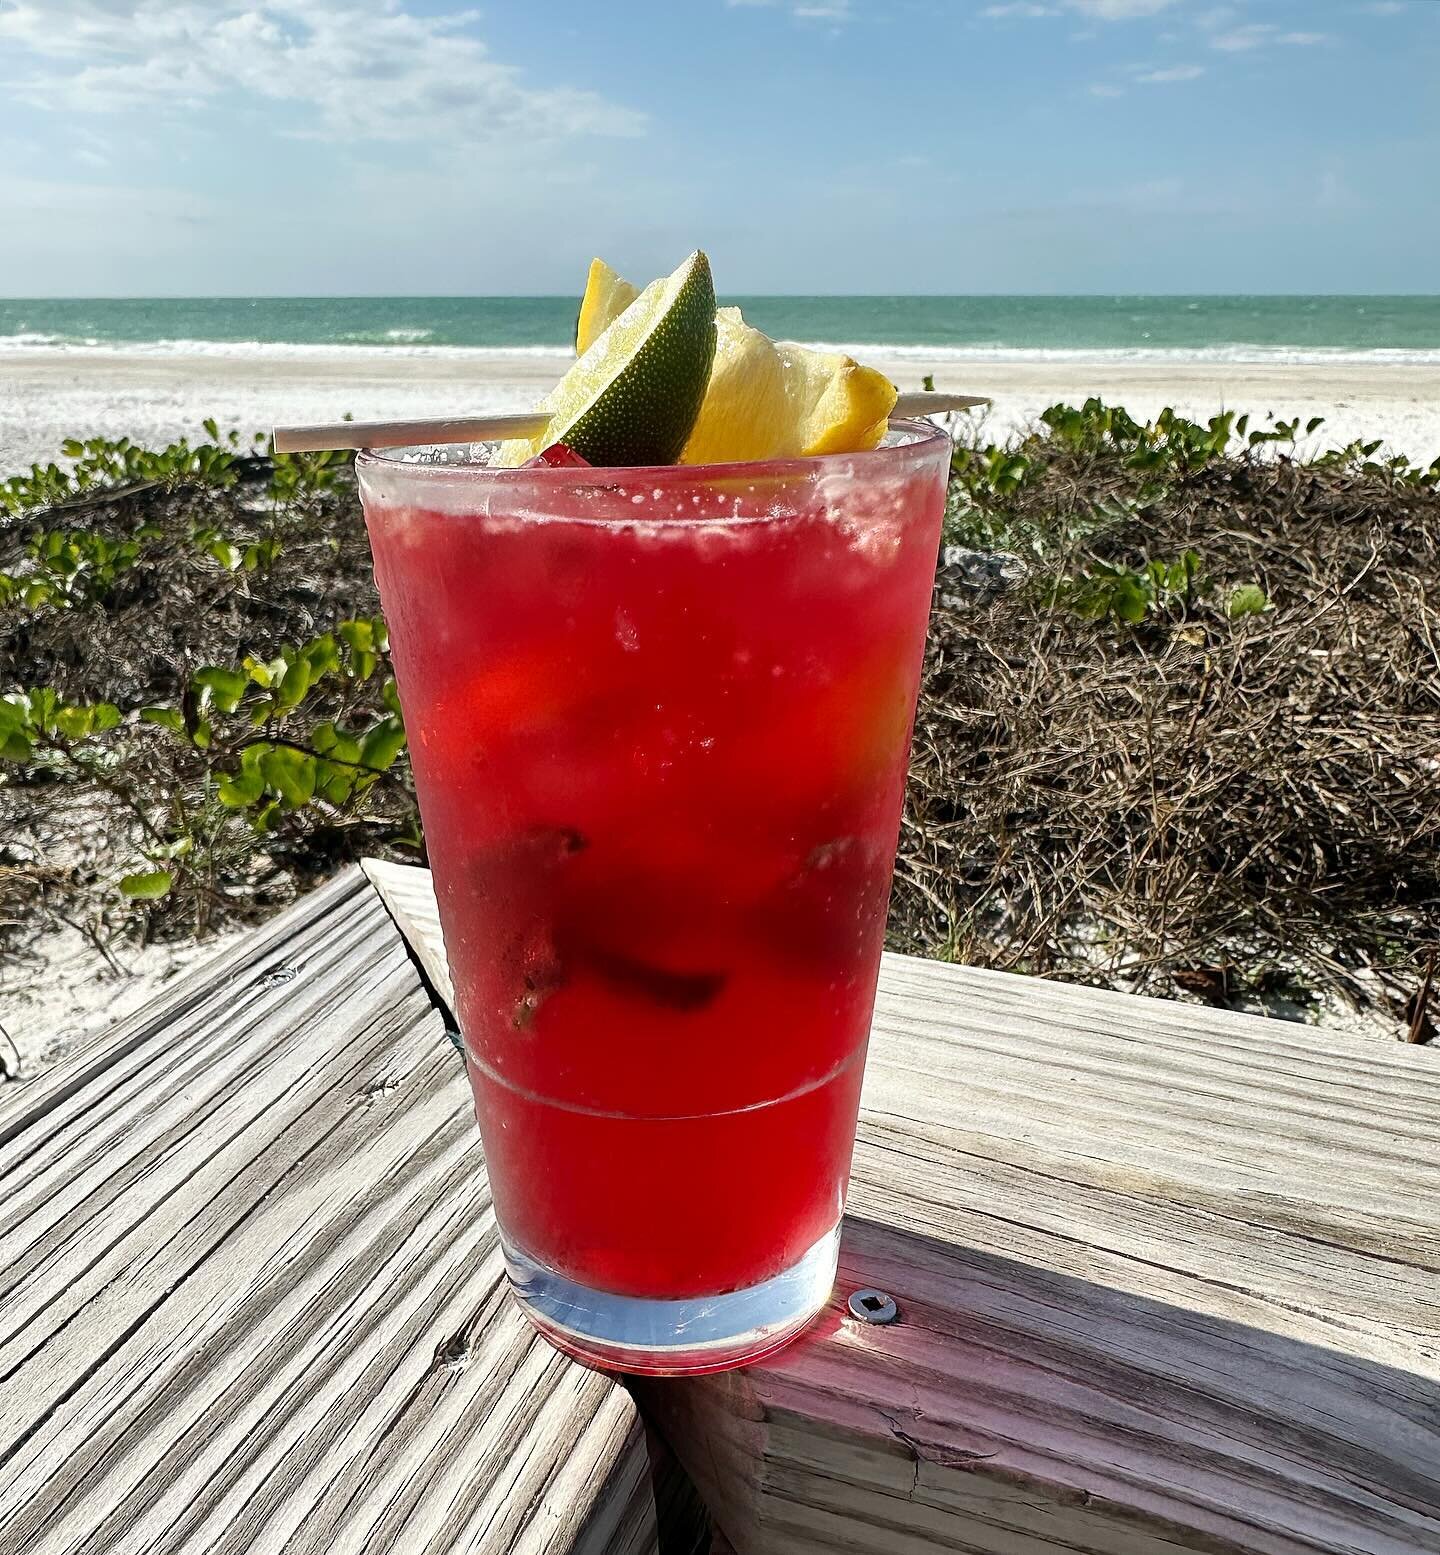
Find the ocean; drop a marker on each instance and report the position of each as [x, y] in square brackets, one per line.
[1297, 330]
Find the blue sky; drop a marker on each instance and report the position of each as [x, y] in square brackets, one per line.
[196, 147]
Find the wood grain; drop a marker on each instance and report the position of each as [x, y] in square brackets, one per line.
[251, 1296]
[1169, 1280]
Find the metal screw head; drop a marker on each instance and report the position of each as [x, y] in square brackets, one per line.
[873, 1306]
[278, 976]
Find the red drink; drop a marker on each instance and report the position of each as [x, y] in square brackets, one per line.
[659, 721]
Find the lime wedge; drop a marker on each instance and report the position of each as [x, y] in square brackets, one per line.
[633, 397]
[606, 297]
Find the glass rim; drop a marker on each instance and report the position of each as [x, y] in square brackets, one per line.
[923, 436]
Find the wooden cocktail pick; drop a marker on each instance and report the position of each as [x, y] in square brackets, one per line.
[488, 429]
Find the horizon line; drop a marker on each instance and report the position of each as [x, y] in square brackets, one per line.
[750, 296]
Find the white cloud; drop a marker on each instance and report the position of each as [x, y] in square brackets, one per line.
[1385, 7]
[1172, 73]
[1119, 10]
[1263, 35]
[807, 10]
[1236, 41]
[1098, 10]
[352, 69]
[1103, 89]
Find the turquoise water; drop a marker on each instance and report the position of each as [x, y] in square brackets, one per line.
[1295, 329]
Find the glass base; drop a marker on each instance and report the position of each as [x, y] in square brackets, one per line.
[653, 1337]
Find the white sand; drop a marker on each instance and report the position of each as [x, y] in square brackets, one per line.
[47, 395]
[65, 994]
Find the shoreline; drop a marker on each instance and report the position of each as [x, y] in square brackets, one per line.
[151, 397]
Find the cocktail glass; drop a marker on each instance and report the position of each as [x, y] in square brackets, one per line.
[659, 721]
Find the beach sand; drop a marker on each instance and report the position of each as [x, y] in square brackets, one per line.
[49, 395]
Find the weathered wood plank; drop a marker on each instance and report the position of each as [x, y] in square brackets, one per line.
[409, 897]
[251, 1295]
[1167, 1278]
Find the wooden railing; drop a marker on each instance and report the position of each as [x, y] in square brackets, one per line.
[1166, 1280]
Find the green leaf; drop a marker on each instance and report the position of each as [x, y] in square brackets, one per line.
[16, 746]
[107, 716]
[212, 430]
[321, 655]
[236, 793]
[290, 774]
[364, 635]
[43, 702]
[383, 744]
[266, 818]
[246, 786]
[260, 556]
[177, 849]
[330, 741]
[335, 784]
[72, 448]
[166, 717]
[1130, 600]
[390, 696]
[145, 887]
[1248, 599]
[74, 723]
[226, 687]
[229, 555]
[294, 683]
[359, 638]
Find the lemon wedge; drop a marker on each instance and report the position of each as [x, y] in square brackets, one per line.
[770, 399]
[606, 297]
